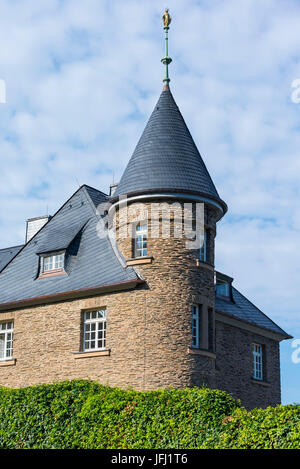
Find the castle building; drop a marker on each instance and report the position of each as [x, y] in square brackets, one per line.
[96, 293]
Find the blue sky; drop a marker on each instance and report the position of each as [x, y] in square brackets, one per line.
[82, 79]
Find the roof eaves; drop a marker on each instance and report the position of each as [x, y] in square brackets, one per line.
[288, 336]
[280, 334]
[224, 206]
[72, 294]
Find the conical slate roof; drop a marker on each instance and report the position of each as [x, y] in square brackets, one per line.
[166, 157]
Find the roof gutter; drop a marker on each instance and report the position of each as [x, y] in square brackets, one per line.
[72, 294]
[172, 193]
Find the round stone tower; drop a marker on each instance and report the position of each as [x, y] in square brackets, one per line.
[166, 210]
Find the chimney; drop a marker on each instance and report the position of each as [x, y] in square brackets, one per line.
[112, 189]
[33, 225]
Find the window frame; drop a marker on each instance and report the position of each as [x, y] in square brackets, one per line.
[6, 332]
[195, 326]
[54, 256]
[139, 252]
[222, 285]
[97, 321]
[258, 361]
[203, 248]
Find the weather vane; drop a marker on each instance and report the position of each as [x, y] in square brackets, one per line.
[166, 60]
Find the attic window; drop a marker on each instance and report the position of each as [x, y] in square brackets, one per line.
[51, 264]
[223, 289]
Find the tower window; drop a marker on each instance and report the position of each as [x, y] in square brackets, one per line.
[257, 351]
[203, 247]
[203, 333]
[211, 330]
[6, 340]
[195, 326]
[94, 336]
[140, 240]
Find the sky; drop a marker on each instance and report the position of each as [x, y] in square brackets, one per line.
[81, 81]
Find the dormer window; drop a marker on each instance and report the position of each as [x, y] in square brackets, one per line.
[223, 286]
[223, 289]
[51, 264]
[140, 240]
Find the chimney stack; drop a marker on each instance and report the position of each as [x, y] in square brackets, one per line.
[112, 189]
[33, 225]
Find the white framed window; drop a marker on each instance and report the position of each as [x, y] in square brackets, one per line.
[141, 240]
[257, 351]
[203, 247]
[6, 340]
[94, 334]
[52, 262]
[195, 326]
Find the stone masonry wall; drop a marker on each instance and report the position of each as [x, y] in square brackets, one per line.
[234, 367]
[148, 329]
[175, 283]
[148, 333]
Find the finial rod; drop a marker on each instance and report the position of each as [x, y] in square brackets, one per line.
[166, 60]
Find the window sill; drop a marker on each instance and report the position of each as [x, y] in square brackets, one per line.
[8, 362]
[224, 298]
[203, 353]
[261, 383]
[52, 273]
[139, 261]
[96, 353]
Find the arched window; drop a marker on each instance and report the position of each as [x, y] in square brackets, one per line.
[140, 240]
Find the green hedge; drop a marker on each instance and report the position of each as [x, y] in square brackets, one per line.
[83, 414]
[272, 428]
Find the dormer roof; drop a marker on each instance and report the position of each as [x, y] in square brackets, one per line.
[91, 262]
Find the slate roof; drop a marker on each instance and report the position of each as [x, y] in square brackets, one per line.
[166, 157]
[90, 261]
[244, 310]
[60, 239]
[7, 254]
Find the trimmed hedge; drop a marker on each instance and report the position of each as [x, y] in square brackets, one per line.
[83, 414]
[271, 428]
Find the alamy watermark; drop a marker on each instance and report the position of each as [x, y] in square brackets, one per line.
[161, 220]
[296, 354]
[2, 92]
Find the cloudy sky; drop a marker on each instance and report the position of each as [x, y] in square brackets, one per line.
[82, 79]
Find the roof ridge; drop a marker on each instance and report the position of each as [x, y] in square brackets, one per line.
[94, 189]
[11, 247]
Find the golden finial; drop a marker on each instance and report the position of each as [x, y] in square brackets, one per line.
[166, 18]
[166, 60]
